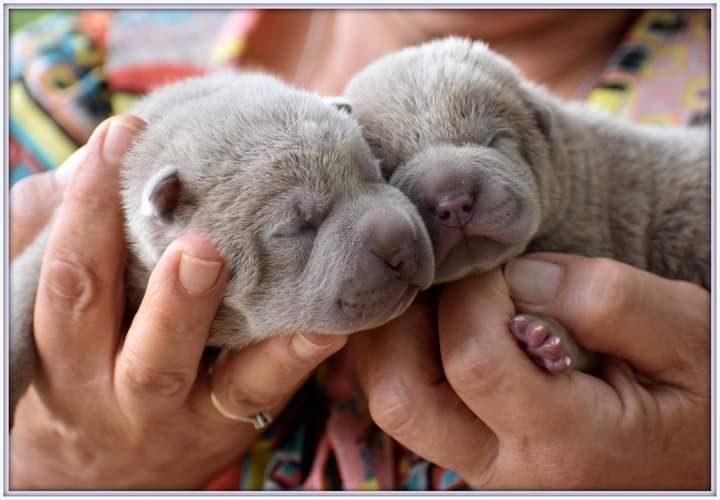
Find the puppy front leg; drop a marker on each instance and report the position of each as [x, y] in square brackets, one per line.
[24, 277]
[550, 345]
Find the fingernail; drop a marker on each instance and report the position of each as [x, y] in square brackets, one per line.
[311, 346]
[533, 281]
[66, 171]
[119, 135]
[198, 276]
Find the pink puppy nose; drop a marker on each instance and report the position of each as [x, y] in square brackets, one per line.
[455, 210]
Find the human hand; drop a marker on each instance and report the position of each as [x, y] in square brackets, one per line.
[115, 411]
[34, 199]
[483, 408]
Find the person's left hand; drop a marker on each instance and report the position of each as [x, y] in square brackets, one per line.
[468, 398]
[110, 409]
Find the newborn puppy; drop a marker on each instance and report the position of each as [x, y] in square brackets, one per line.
[287, 189]
[497, 167]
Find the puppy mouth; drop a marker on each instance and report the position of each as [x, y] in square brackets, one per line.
[486, 234]
[371, 308]
[473, 254]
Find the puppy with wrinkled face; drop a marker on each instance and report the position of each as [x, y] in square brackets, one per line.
[287, 189]
[497, 167]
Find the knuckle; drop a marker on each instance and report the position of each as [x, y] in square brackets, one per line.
[698, 311]
[693, 345]
[479, 480]
[479, 372]
[390, 410]
[632, 420]
[691, 359]
[691, 336]
[243, 399]
[70, 284]
[608, 292]
[640, 423]
[143, 379]
[91, 194]
[161, 320]
[307, 351]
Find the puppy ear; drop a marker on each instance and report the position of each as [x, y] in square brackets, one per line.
[540, 103]
[543, 116]
[341, 103]
[161, 194]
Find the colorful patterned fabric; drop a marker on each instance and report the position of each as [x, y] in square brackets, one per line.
[71, 70]
[661, 72]
[57, 91]
[331, 443]
[325, 438]
[184, 43]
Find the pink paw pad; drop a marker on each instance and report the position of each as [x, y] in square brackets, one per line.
[537, 339]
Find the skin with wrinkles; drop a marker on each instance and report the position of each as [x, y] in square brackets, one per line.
[283, 184]
[497, 167]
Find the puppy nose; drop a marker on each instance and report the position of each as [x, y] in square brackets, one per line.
[392, 240]
[455, 210]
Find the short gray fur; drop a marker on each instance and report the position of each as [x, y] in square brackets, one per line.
[456, 125]
[284, 185]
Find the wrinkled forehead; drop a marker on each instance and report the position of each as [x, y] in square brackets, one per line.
[281, 138]
[237, 156]
[460, 88]
[432, 86]
[311, 160]
[323, 167]
[446, 107]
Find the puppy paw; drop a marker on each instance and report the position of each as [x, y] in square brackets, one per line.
[544, 341]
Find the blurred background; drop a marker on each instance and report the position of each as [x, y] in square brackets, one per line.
[70, 69]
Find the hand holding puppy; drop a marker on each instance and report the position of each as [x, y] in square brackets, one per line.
[482, 407]
[107, 413]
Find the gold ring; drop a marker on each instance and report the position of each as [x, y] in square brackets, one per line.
[259, 420]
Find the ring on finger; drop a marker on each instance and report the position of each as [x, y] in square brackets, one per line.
[260, 420]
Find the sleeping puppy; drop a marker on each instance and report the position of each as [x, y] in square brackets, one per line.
[498, 167]
[287, 189]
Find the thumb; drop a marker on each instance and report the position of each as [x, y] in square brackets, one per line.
[660, 326]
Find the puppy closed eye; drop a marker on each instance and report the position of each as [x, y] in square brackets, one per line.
[500, 139]
[300, 224]
[296, 228]
[308, 229]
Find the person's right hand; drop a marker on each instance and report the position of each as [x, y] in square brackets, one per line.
[115, 411]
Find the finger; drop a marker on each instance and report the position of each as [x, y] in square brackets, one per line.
[660, 326]
[79, 299]
[35, 198]
[158, 362]
[633, 397]
[400, 371]
[485, 365]
[262, 377]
